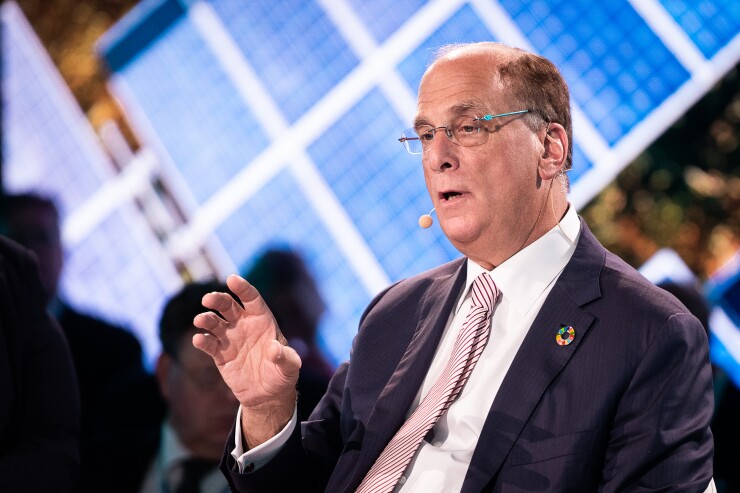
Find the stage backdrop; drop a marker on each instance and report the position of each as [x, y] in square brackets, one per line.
[276, 123]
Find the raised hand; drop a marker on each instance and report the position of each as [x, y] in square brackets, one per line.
[252, 356]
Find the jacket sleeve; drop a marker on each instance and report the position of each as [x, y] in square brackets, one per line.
[306, 461]
[671, 392]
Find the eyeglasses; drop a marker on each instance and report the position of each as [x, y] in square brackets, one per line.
[466, 131]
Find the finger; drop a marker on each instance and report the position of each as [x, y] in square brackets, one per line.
[248, 294]
[211, 322]
[279, 337]
[224, 304]
[207, 343]
[285, 358]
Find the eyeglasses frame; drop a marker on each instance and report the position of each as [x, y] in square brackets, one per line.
[403, 140]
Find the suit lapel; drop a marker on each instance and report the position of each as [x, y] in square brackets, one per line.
[539, 360]
[390, 410]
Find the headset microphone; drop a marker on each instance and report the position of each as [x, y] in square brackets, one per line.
[426, 220]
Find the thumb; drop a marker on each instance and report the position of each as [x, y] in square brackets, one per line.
[286, 360]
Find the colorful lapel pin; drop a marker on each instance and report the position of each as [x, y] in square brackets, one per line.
[565, 335]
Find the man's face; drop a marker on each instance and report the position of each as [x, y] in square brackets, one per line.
[37, 228]
[488, 197]
[201, 406]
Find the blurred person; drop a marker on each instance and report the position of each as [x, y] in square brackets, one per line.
[106, 358]
[537, 362]
[39, 407]
[285, 283]
[725, 426]
[200, 407]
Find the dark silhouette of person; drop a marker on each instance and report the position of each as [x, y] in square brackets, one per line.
[39, 407]
[291, 293]
[106, 358]
[725, 428]
[188, 442]
[175, 448]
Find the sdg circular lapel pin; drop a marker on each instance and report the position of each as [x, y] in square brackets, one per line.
[565, 335]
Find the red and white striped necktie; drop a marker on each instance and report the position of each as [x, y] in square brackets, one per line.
[470, 342]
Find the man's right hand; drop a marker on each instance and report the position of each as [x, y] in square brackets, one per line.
[253, 358]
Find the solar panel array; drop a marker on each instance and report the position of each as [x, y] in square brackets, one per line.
[115, 267]
[277, 122]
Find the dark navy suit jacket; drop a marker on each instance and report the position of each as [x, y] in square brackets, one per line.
[625, 407]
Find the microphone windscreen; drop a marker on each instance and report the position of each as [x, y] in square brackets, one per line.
[425, 221]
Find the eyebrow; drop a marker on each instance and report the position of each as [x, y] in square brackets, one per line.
[466, 106]
[457, 109]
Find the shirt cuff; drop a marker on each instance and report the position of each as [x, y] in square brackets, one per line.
[253, 459]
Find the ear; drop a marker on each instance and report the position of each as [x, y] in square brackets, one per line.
[554, 152]
[162, 372]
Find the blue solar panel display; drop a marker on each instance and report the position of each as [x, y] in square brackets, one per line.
[205, 126]
[463, 26]
[313, 56]
[261, 92]
[384, 17]
[253, 228]
[380, 186]
[277, 123]
[42, 156]
[616, 67]
[119, 272]
[580, 163]
[711, 25]
[114, 268]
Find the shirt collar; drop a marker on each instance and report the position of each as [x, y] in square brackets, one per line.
[173, 451]
[524, 276]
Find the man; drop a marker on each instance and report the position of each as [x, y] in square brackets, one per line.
[106, 358]
[592, 379]
[39, 408]
[200, 407]
[102, 353]
[725, 429]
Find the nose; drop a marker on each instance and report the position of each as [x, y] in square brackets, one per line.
[441, 153]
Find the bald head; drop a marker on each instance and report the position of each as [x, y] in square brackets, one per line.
[533, 82]
[485, 48]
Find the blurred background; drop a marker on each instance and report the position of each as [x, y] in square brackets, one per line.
[180, 139]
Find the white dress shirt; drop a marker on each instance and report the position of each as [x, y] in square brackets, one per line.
[525, 280]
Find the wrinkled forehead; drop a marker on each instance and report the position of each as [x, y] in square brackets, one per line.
[458, 86]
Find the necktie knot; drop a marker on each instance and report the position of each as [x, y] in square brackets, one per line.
[485, 292]
[193, 471]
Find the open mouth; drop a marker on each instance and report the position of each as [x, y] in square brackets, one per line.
[449, 195]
